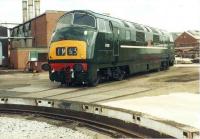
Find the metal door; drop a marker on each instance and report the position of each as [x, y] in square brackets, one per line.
[1, 53]
[115, 41]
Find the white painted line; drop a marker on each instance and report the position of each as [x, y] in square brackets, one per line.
[147, 47]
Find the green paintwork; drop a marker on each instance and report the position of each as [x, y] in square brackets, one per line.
[104, 51]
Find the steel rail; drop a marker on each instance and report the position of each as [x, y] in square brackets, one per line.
[98, 127]
[126, 123]
[108, 129]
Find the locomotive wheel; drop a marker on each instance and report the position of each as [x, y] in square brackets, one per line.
[121, 76]
[118, 74]
[165, 65]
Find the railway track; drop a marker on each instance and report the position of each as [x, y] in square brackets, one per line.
[111, 121]
[81, 93]
[98, 117]
[51, 92]
[121, 96]
[97, 126]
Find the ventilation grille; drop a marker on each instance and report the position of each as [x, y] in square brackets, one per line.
[156, 38]
[140, 37]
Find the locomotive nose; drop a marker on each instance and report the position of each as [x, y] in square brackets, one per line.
[68, 50]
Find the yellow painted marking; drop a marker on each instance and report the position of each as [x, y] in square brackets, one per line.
[80, 45]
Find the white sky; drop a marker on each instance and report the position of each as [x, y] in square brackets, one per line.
[171, 15]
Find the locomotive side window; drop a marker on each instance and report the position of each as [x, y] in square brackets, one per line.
[104, 26]
[84, 19]
[65, 21]
[128, 35]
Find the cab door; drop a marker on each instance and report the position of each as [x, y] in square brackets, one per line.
[116, 44]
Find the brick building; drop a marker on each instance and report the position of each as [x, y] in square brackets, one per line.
[187, 44]
[34, 35]
[3, 46]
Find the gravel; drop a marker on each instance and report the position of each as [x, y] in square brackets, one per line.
[19, 128]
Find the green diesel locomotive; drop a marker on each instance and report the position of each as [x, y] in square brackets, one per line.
[87, 47]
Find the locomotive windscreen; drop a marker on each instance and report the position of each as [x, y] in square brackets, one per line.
[64, 21]
[84, 19]
[80, 19]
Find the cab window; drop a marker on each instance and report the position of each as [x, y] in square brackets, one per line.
[65, 21]
[84, 20]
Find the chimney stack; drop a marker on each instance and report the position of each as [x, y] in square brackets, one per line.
[25, 10]
[37, 7]
[31, 9]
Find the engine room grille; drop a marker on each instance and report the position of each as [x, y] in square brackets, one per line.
[156, 38]
[140, 37]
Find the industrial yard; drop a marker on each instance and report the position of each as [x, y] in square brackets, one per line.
[105, 69]
[37, 85]
[178, 79]
[167, 95]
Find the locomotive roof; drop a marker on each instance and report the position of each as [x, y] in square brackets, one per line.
[125, 24]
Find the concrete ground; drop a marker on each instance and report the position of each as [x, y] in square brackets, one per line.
[178, 79]
[178, 86]
[181, 108]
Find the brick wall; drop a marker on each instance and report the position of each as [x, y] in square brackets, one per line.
[43, 27]
[39, 31]
[52, 19]
[186, 40]
[18, 58]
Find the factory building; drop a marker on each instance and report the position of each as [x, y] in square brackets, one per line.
[31, 39]
[3, 46]
[187, 44]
